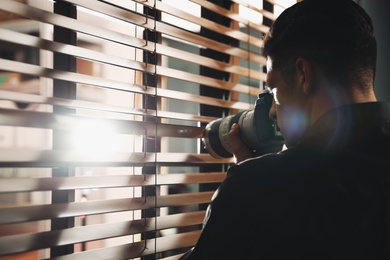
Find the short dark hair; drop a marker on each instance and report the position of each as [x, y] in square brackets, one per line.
[336, 35]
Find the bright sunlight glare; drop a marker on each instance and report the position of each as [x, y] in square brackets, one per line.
[94, 139]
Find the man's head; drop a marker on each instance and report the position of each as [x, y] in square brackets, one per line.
[313, 42]
[336, 35]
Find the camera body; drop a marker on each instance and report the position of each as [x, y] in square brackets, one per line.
[257, 130]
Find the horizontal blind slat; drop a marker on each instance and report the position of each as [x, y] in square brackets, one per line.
[36, 99]
[236, 34]
[48, 120]
[197, 39]
[234, 16]
[28, 242]
[59, 20]
[34, 70]
[33, 41]
[14, 66]
[112, 181]
[47, 17]
[143, 248]
[212, 63]
[212, 82]
[265, 13]
[61, 210]
[88, 105]
[208, 43]
[56, 158]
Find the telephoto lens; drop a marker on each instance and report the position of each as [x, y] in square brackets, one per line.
[257, 130]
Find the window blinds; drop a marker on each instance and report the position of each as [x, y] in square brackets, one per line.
[102, 110]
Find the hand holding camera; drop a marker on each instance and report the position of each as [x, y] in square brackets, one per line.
[240, 151]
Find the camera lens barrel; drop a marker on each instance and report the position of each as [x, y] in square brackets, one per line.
[257, 130]
[215, 136]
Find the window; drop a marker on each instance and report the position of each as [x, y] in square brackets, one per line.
[102, 111]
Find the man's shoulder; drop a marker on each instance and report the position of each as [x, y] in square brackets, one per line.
[267, 167]
[281, 160]
[299, 162]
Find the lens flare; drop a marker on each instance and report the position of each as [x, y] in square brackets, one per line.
[294, 123]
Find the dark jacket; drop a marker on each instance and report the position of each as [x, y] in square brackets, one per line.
[326, 198]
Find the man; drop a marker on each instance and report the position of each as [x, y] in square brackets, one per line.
[327, 196]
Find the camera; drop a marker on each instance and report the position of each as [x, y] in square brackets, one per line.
[259, 132]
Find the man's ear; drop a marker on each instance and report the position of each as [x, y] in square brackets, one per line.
[305, 74]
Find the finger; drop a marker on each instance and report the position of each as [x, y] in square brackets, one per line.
[240, 151]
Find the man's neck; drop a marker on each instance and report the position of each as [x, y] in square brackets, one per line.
[327, 98]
